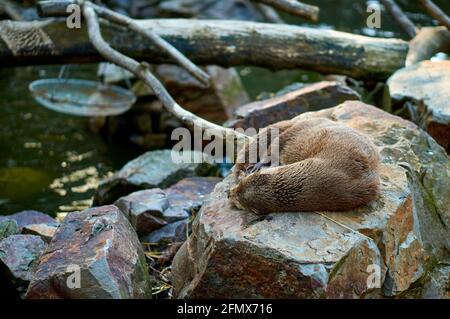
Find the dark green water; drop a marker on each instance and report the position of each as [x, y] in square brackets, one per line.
[51, 162]
[48, 161]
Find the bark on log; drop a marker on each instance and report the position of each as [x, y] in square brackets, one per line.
[206, 42]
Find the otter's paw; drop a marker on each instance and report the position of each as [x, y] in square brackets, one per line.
[257, 167]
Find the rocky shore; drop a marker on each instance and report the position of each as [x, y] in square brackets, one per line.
[160, 229]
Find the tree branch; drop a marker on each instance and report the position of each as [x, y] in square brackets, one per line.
[269, 13]
[58, 8]
[294, 7]
[141, 70]
[436, 13]
[401, 18]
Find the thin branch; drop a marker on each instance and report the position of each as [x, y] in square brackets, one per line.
[141, 70]
[401, 18]
[436, 13]
[294, 7]
[11, 10]
[269, 13]
[59, 8]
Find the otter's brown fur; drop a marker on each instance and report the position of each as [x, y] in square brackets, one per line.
[323, 166]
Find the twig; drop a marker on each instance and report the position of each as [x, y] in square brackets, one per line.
[11, 10]
[160, 42]
[269, 13]
[436, 13]
[401, 18]
[141, 70]
[58, 8]
[294, 7]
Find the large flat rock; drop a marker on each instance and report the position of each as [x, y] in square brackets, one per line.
[94, 254]
[387, 249]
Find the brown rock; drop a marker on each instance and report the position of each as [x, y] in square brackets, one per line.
[384, 249]
[46, 230]
[94, 254]
[426, 85]
[145, 209]
[310, 98]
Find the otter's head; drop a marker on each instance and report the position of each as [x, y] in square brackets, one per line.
[252, 193]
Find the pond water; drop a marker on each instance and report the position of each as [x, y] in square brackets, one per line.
[48, 161]
[52, 163]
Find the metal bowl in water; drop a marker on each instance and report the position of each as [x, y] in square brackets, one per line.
[82, 97]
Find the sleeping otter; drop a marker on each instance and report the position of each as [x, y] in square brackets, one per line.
[323, 166]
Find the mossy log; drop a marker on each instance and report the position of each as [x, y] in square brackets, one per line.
[206, 42]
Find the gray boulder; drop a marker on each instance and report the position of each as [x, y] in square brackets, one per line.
[187, 196]
[150, 170]
[145, 209]
[28, 217]
[174, 232]
[19, 255]
[151, 209]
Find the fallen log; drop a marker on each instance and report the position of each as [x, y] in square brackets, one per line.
[206, 42]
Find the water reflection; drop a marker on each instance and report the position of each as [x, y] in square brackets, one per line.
[48, 161]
